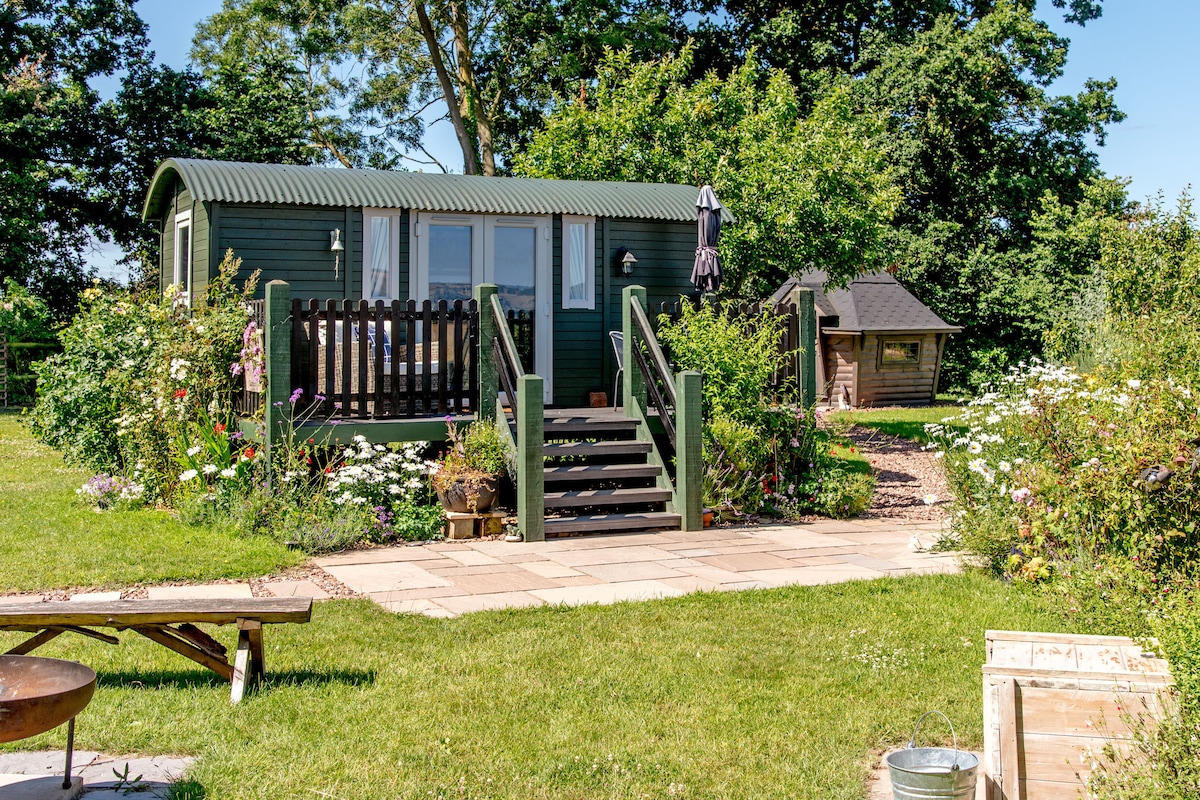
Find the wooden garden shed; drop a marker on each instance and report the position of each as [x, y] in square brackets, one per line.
[878, 344]
[556, 249]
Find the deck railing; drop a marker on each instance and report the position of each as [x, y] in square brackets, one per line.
[385, 360]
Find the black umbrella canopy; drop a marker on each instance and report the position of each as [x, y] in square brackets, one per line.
[706, 274]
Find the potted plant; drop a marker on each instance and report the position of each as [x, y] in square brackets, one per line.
[466, 476]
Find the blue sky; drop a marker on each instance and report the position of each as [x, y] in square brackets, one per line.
[1145, 44]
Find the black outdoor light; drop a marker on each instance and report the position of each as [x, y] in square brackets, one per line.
[626, 261]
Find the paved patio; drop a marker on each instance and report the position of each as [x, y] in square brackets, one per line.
[446, 579]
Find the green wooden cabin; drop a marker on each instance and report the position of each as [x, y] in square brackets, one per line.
[555, 248]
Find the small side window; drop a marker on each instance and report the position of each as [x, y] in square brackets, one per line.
[579, 262]
[900, 351]
[182, 277]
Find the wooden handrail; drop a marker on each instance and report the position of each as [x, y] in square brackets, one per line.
[504, 351]
[656, 354]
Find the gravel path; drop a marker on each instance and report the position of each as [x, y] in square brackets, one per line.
[904, 475]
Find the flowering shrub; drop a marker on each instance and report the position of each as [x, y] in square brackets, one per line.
[1059, 470]
[136, 372]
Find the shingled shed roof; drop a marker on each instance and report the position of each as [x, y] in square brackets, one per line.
[873, 303]
[236, 182]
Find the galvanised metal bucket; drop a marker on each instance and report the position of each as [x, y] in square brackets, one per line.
[932, 773]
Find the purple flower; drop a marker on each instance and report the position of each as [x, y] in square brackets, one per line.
[320, 398]
[296, 395]
[278, 404]
[235, 368]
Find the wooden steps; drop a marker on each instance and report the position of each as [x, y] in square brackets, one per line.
[598, 478]
[612, 523]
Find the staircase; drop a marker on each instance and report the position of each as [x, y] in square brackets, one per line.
[598, 477]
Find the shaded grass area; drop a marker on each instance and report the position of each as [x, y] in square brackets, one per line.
[907, 423]
[49, 539]
[767, 693]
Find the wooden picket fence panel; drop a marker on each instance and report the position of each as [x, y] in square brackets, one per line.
[385, 360]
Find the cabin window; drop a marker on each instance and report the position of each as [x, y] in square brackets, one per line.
[579, 262]
[899, 351]
[182, 277]
[381, 255]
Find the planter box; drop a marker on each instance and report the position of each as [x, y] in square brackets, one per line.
[1049, 699]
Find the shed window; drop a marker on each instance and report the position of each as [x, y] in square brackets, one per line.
[182, 277]
[579, 262]
[897, 351]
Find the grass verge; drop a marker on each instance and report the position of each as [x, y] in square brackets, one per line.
[50, 540]
[765, 693]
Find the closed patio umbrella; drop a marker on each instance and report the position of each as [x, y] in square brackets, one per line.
[706, 274]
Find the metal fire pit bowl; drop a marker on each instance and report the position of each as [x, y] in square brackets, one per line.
[39, 694]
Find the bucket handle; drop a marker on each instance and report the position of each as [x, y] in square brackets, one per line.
[952, 734]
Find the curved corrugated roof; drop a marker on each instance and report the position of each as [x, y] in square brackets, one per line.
[236, 182]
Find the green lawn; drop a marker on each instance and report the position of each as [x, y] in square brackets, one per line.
[908, 423]
[777, 693]
[49, 539]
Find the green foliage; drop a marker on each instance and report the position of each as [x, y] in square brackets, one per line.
[760, 456]
[136, 374]
[804, 189]
[737, 354]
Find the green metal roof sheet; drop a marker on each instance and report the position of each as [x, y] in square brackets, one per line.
[236, 182]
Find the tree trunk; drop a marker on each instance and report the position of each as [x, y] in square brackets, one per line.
[470, 160]
[471, 105]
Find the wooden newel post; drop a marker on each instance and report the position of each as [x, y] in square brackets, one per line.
[489, 373]
[689, 463]
[277, 351]
[806, 310]
[531, 461]
[634, 385]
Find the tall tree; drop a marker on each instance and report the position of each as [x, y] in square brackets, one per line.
[50, 214]
[805, 190]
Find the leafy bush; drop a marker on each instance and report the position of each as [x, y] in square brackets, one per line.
[1068, 469]
[759, 455]
[135, 375]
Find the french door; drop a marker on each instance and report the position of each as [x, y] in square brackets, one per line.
[451, 253]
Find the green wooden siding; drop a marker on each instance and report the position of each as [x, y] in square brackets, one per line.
[182, 201]
[665, 252]
[579, 335]
[292, 244]
[200, 248]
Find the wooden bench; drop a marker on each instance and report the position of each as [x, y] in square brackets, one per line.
[171, 623]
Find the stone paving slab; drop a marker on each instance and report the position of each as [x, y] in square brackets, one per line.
[446, 579]
[297, 589]
[233, 591]
[40, 774]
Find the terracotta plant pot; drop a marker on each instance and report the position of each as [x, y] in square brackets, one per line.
[708, 516]
[458, 498]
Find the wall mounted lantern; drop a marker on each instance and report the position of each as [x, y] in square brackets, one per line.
[337, 248]
[626, 261]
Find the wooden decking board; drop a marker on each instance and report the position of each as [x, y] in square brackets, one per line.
[596, 449]
[599, 472]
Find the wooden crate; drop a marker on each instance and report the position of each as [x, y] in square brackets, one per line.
[1050, 698]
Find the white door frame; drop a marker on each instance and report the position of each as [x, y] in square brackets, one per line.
[483, 243]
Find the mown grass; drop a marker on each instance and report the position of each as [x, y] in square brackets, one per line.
[50, 540]
[907, 423]
[773, 693]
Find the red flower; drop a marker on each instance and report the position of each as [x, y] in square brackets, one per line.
[180, 394]
[219, 427]
[248, 452]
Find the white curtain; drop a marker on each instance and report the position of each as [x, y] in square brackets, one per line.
[381, 247]
[578, 267]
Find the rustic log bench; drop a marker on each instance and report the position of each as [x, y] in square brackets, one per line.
[171, 623]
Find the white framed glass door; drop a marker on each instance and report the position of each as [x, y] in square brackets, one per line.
[454, 252]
